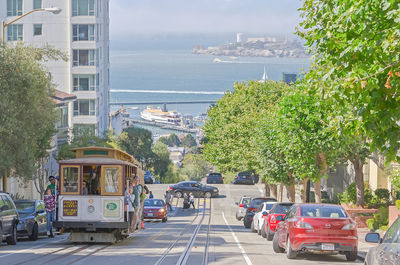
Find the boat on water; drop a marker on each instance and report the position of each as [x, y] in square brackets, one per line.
[264, 77]
[159, 115]
[217, 60]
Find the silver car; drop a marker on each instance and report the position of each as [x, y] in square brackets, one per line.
[241, 211]
[388, 250]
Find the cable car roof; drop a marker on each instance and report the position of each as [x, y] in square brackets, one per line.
[97, 161]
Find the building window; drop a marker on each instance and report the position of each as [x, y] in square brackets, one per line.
[37, 29]
[84, 129]
[82, 7]
[84, 58]
[15, 32]
[82, 32]
[37, 4]
[85, 82]
[14, 7]
[84, 107]
[63, 122]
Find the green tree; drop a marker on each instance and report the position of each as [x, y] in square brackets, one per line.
[27, 112]
[188, 141]
[357, 62]
[194, 167]
[162, 163]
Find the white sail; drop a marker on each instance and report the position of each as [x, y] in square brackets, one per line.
[264, 77]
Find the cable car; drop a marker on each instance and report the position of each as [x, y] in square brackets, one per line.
[91, 194]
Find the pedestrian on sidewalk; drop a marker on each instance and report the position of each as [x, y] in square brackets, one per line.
[151, 196]
[50, 204]
[136, 201]
[168, 200]
[130, 198]
[191, 200]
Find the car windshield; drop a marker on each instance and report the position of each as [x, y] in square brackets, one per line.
[25, 207]
[246, 200]
[322, 211]
[393, 234]
[158, 203]
[281, 208]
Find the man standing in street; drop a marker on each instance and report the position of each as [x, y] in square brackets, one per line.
[136, 201]
[168, 200]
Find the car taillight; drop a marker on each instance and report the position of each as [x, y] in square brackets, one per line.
[351, 226]
[222, 179]
[272, 220]
[170, 188]
[241, 205]
[301, 224]
[207, 179]
[252, 209]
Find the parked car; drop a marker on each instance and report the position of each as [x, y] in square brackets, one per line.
[242, 206]
[252, 208]
[388, 250]
[258, 219]
[195, 187]
[32, 218]
[316, 228]
[155, 209]
[269, 225]
[214, 178]
[8, 219]
[243, 178]
[149, 178]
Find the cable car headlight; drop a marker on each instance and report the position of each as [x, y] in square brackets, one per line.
[161, 210]
[90, 209]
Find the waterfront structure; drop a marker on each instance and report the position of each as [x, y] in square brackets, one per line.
[81, 30]
[161, 115]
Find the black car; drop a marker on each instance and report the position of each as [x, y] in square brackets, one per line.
[195, 187]
[148, 178]
[32, 218]
[8, 219]
[244, 178]
[252, 208]
[215, 178]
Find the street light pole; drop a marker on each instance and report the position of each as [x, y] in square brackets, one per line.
[54, 10]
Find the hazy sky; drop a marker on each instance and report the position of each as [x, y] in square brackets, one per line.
[130, 17]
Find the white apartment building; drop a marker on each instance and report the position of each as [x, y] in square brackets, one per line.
[81, 30]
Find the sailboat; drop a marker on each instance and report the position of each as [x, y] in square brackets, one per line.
[264, 77]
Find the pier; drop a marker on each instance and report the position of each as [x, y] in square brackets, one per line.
[165, 126]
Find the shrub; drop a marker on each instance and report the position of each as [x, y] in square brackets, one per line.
[398, 204]
[370, 224]
[383, 195]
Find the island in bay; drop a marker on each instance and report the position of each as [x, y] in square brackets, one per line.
[256, 47]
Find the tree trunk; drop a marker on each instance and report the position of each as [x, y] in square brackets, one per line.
[274, 190]
[304, 190]
[5, 181]
[267, 189]
[281, 192]
[291, 191]
[317, 191]
[359, 179]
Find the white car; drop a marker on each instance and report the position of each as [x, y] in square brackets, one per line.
[258, 220]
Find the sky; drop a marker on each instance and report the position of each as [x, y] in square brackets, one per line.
[153, 17]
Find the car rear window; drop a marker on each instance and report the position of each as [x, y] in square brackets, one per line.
[244, 174]
[215, 176]
[323, 211]
[257, 202]
[281, 208]
[268, 206]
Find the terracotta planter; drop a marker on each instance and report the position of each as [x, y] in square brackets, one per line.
[393, 214]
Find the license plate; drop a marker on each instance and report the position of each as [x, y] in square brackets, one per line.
[150, 214]
[328, 247]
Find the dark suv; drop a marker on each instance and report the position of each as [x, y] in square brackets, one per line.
[8, 219]
[198, 189]
[244, 178]
[252, 208]
[215, 178]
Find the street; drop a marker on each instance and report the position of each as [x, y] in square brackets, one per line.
[211, 235]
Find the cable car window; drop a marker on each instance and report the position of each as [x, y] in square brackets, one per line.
[70, 180]
[112, 180]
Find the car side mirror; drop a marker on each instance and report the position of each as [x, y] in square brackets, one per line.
[373, 237]
[279, 218]
[265, 213]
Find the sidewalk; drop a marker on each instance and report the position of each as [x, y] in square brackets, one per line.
[363, 246]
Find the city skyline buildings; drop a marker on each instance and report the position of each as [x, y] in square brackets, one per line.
[81, 30]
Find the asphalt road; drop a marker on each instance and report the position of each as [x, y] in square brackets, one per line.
[208, 235]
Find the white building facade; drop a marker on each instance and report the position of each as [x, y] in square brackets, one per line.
[81, 30]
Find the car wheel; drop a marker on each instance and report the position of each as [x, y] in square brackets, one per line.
[34, 235]
[252, 227]
[351, 256]
[275, 245]
[207, 194]
[263, 233]
[259, 230]
[12, 240]
[178, 194]
[237, 217]
[246, 222]
[164, 220]
[290, 253]
[270, 235]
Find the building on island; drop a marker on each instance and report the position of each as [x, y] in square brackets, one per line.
[81, 30]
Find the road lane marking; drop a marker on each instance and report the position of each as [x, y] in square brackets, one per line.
[25, 249]
[246, 258]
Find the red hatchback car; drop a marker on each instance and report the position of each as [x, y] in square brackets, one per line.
[270, 220]
[155, 209]
[316, 228]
